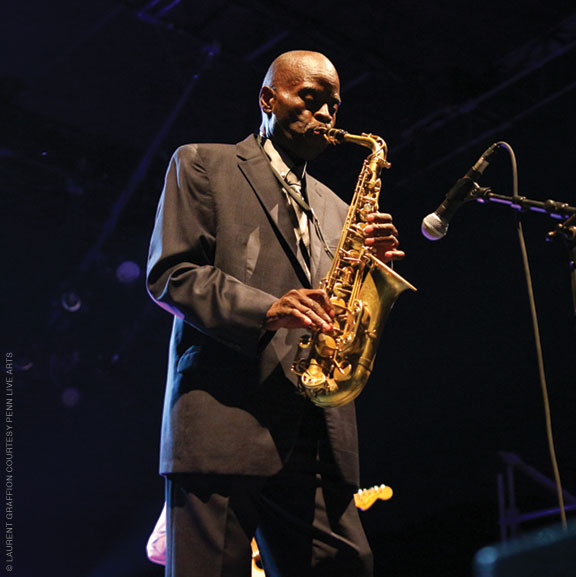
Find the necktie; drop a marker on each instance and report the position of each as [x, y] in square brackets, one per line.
[302, 231]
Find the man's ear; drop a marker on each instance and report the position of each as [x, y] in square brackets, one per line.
[267, 99]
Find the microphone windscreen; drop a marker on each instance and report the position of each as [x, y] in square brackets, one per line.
[434, 227]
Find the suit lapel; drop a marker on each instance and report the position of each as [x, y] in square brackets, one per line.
[256, 168]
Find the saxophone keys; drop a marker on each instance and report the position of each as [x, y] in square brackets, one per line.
[313, 377]
[343, 372]
[325, 345]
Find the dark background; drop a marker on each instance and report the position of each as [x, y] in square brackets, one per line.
[96, 95]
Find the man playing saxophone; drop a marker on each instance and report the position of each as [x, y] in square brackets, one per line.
[242, 237]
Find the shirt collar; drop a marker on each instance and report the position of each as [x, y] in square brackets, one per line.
[281, 162]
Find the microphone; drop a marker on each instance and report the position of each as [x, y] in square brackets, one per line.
[435, 225]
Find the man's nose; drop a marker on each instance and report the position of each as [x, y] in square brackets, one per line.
[323, 113]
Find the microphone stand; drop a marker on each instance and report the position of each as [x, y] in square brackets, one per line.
[567, 230]
[558, 210]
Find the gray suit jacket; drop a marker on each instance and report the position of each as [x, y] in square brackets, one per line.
[222, 251]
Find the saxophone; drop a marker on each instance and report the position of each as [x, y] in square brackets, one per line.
[333, 368]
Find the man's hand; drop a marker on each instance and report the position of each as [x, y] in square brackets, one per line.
[301, 309]
[383, 236]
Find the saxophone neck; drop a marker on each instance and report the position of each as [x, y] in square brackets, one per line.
[375, 143]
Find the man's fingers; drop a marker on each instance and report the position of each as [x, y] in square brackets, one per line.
[321, 303]
[394, 255]
[381, 230]
[379, 217]
[392, 241]
[303, 308]
[315, 306]
[382, 235]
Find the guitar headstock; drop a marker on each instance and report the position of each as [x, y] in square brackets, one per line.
[365, 498]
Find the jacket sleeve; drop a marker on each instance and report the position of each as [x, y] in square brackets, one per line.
[181, 276]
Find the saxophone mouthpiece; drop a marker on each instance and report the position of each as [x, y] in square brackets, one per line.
[335, 135]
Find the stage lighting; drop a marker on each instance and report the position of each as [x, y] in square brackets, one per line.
[127, 272]
[71, 301]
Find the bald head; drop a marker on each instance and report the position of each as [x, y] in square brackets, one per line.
[294, 65]
[300, 93]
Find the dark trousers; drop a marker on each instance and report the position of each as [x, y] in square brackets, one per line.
[304, 519]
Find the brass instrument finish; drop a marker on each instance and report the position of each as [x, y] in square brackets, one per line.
[333, 368]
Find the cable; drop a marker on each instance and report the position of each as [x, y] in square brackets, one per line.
[538, 343]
